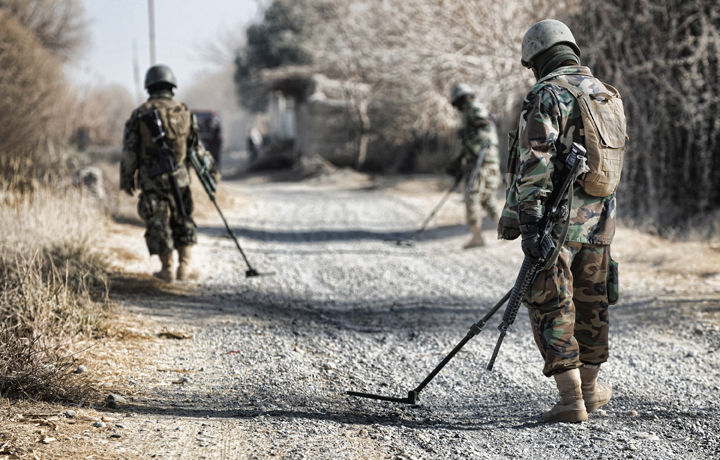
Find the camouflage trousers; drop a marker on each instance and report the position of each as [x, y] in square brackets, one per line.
[482, 192]
[568, 307]
[163, 225]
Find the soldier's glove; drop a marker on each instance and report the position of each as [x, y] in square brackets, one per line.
[458, 175]
[530, 229]
[455, 167]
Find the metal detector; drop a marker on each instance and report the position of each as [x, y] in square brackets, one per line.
[203, 171]
[414, 395]
[250, 272]
[418, 232]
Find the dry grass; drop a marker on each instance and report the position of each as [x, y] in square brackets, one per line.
[53, 291]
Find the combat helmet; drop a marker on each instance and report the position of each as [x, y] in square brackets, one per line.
[544, 35]
[159, 74]
[460, 91]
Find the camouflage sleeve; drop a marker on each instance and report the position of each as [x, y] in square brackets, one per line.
[203, 154]
[206, 157]
[129, 162]
[538, 133]
[193, 139]
[480, 117]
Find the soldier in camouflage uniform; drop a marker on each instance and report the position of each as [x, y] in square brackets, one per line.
[567, 303]
[164, 224]
[477, 136]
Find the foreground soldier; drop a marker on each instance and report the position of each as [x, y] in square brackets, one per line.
[478, 160]
[568, 302]
[166, 227]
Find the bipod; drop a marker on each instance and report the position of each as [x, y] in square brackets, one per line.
[411, 241]
[414, 395]
[250, 272]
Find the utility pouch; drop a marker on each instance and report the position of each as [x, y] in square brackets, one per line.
[613, 289]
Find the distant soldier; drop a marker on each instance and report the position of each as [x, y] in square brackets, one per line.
[210, 131]
[254, 144]
[567, 301]
[478, 160]
[143, 167]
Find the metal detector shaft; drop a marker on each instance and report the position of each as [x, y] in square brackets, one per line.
[232, 234]
[414, 395]
[475, 329]
[435, 210]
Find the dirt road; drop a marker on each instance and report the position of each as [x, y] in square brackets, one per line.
[265, 371]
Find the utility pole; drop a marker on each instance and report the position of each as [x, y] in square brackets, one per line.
[136, 71]
[151, 18]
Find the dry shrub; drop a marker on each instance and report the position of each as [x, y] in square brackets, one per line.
[102, 110]
[663, 55]
[36, 37]
[33, 99]
[58, 25]
[52, 289]
[38, 369]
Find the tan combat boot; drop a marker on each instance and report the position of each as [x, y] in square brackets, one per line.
[477, 239]
[571, 407]
[184, 272]
[166, 273]
[594, 393]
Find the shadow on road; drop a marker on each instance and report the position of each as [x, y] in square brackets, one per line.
[316, 236]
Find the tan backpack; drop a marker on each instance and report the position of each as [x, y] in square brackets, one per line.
[177, 121]
[603, 120]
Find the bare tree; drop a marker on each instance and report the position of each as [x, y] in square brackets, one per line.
[59, 25]
[412, 53]
[102, 111]
[35, 101]
[423, 48]
[663, 56]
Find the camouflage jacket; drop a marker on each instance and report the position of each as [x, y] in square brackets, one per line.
[477, 130]
[134, 161]
[549, 123]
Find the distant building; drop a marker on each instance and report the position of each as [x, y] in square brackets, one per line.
[321, 116]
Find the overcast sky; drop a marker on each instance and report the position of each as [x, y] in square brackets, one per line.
[183, 27]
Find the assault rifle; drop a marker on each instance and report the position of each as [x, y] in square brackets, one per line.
[166, 163]
[557, 209]
[202, 168]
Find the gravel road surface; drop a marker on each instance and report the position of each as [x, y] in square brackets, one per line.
[270, 359]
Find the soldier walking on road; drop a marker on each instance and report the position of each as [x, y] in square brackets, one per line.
[478, 160]
[567, 302]
[166, 227]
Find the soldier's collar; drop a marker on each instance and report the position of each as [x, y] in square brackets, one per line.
[162, 95]
[568, 70]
